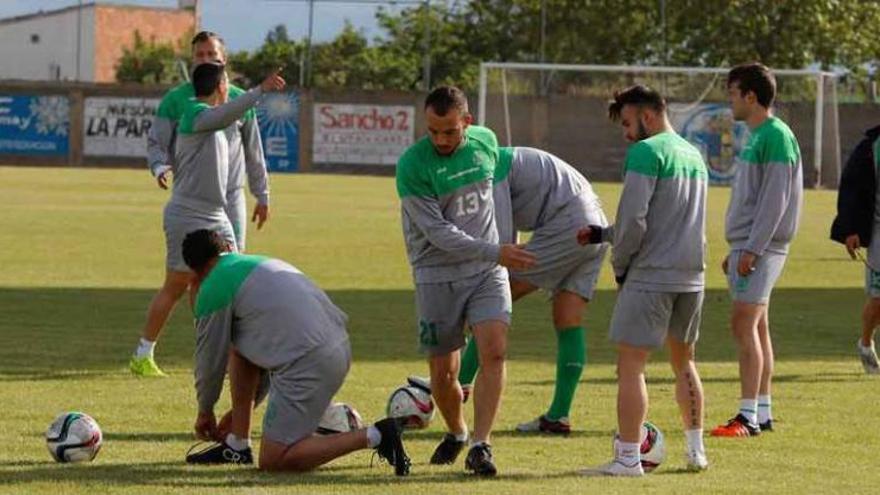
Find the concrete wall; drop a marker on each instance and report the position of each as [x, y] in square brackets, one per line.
[29, 46]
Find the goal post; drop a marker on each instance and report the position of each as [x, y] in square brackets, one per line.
[561, 108]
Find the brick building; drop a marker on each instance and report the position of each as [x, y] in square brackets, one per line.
[84, 42]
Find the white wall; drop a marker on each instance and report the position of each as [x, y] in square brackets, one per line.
[20, 58]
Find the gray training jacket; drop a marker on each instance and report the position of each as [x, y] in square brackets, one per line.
[269, 310]
[659, 233]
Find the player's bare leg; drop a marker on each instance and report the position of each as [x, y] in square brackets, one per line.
[448, 397]
[745, 320]
[491, 338]
[160, 308]
[689, 395]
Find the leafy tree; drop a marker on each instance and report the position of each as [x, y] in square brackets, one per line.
[149, 62]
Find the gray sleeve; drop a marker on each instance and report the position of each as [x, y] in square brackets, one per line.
[222, 116]
[213, 340]
[254, 161]
[159, 141]
[631, 222]
[773, 198]
[444, 235]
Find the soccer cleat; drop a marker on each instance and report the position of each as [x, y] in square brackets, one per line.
[697, 461]
[737, 427]
[479, 460]
[221, 453]
[868, 355]
[615, 468]
[766, 425]
[390, 447]
[145, 367]
[543, 424]
[448, 450]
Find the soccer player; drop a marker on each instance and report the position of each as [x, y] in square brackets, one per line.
[444, 181]
[658, 259]
[538, 192]
[271, 315]
[245, 157]
[762, 219]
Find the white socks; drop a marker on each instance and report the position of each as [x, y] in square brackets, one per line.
[764, 413]
[695, 440]
[461, 437]
[628, 453]
[749, 409]
[145, 348]
[374, 437]
[237, 443]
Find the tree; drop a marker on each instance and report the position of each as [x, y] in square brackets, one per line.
[149, 62]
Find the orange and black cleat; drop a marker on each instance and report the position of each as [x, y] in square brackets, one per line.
[737, 427]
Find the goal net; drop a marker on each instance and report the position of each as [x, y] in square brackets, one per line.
[563, 109]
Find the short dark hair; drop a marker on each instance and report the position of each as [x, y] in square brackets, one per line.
[755, 78]
[638, 95]
[206, 78]
[445, 98]
[201, 246]
[203, 36]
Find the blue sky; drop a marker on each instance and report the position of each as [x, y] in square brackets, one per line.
[227, 16]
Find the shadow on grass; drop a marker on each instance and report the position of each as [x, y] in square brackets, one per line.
[58, 334]
[182, 476]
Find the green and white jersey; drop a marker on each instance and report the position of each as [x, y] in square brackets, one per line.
[874, 247]
[660, 229]
[246, 147]
[447, 209]
[767, 191]
[269, 310]
[202, 152]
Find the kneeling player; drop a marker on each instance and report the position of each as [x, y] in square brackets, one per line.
[538, 192]
[658, 260]
[277, 319]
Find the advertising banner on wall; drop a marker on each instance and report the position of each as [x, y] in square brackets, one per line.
[117, 126]
[278, 116]
[34, 125]
[711, 128]
[361, 134]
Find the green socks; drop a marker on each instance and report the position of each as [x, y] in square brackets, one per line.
[570, 359]
[470, 362]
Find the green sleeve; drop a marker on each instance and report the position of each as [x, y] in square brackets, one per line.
[235, 92]
[191, 110]
[505, 162]
[641, 159]
[780, 148]
[411, 178]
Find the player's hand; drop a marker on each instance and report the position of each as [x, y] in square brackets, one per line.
[746, 264]
[273, 82]
[852, 245]
[206, 426]
[724, 264]
[162, 176]
[223, 426]
[583, 236]
[261, 215]
[515, 257]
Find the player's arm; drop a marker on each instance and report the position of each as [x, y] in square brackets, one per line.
[773, 198]
[222, 116]
[213, 339]
[426, 214]
[255, 166]
[631, 222]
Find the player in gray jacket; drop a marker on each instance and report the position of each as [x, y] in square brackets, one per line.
[762, 219]
[270, 315]
[245, 157]
[658, 259]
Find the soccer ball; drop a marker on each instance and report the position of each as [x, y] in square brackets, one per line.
[339, 418]
[73, 437]
[412, 403]
[653, 448]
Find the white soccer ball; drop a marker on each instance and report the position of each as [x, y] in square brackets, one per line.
[74, 437]
[652, 450]
[412, 403]
[339, 418]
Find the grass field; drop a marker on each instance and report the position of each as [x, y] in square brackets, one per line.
[82, 253]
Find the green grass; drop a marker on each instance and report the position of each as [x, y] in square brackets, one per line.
[82, 253]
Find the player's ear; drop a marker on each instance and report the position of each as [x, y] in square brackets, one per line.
[467, 118]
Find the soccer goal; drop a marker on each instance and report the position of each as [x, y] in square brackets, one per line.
[562, 109]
